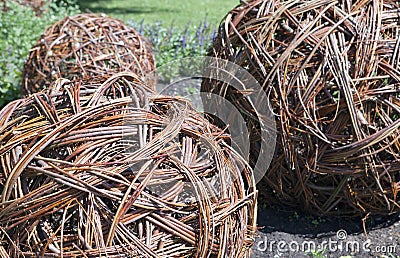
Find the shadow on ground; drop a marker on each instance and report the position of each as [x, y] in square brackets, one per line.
[289, 233]
[281, 219]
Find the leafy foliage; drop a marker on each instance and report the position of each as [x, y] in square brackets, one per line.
[173, 43]
[20, 28]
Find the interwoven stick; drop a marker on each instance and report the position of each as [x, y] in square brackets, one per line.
[86, 45]
[331, 70]
[120, 177]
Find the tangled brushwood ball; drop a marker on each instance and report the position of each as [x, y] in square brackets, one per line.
[119, 177]
[86, 45]
[331, 69]
[38, 6]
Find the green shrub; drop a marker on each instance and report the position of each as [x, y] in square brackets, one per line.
[172, 43]
[19, 30]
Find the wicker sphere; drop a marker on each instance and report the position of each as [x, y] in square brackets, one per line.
[86, 45]
[38, 6]
[92, 175]
[331, 70]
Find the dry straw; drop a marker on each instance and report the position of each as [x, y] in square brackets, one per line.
[110, 169]
[331, 70]
[86, 45]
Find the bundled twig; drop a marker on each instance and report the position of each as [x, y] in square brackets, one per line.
[87, 45]
[127, 175]
[331, 69]
[36, 5]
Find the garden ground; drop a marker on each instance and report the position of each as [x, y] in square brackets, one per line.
[286, 233]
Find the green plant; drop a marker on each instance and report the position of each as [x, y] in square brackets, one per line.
[318, 253]
[20, 28]
[390, 256]
[191, 90]
[296, 216]
[317, 221]
[173, 43]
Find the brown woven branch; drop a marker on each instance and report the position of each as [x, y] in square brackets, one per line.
[92, 174]
[331, 69]
[38, 6]
[86, 45]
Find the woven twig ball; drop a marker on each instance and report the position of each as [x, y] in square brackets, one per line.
[331, 70]
[38, 6]
[120, 178]
[86, 45]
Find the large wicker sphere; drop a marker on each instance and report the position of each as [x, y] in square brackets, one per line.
[90, 175]
[331, 70]
[86, 45]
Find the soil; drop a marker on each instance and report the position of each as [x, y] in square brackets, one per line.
[289, 233]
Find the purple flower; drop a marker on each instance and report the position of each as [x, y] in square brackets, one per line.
[201, 42]
[184, 38]
[176, 52]
[184, 41]
[199, 33]
[141, 27]
[214, 34]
